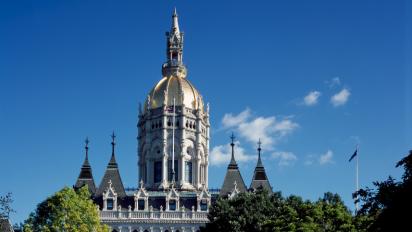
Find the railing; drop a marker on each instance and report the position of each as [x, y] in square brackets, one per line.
[159, 215]
[134, 189]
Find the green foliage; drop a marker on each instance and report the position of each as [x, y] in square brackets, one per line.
[263, 212]
[384, 207]
[5, 205]
[66, 211]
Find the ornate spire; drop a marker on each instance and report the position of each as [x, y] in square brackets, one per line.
[260, 179]
[86, 175]
[174, 66]
[233, 178]
[112, 174]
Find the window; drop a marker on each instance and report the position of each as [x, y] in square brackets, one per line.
[188, 171]
[140, 204]
[110, 204]
[203, 205]
[172, 205]
[170, 170]
[158, 171]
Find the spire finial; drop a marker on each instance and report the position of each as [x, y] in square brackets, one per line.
[175, 25]
[232, 161]
[113, 142]
[175, 12]
[259, 163]
[87, 147]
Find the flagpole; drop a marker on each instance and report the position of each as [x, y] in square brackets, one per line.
[357, 177]
[173, 140]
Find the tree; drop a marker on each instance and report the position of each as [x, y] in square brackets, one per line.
[260, 211]
[5, 205]
[67, 210]
[385, 207]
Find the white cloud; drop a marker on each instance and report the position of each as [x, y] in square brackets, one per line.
[284, 158]
[340, 98]
[220, 155]
[268, 129]
[312, 98]
[326, 158]
[230, 121]
[334, 82]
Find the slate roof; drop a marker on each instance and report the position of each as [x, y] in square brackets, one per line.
[86, 176]
[112, 174]
[260, 179]
[5, 225]
[232, 175]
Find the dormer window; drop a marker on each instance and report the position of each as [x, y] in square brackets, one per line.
[141, 204]
[110, 204]
[203, 205]
[172, 205]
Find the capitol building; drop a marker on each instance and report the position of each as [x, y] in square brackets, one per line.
[173, 194]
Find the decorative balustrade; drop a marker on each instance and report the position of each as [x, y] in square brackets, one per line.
[159, 215]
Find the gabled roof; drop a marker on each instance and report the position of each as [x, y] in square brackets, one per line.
[86, 174]
[233, 179]
[260, 179]
[112, 175]
[5, 225]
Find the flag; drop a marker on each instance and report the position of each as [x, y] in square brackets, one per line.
[354, 155]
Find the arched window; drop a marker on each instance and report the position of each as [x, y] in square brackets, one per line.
[114, 230]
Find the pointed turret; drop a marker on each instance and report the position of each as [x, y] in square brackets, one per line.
[112, 175]
[175, 24]
[260, 179]
[86, 175]
[174, 53]
[233, 179]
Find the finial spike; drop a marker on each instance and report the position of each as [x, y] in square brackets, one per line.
[87, 147]
[175, 24]
[232, 161]
[259, 164]
[113, 142]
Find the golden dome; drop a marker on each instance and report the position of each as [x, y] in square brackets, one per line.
[178, 88]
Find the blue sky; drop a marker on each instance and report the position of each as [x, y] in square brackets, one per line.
[320, 76]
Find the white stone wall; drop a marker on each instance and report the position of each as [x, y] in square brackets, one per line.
[191, 144]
